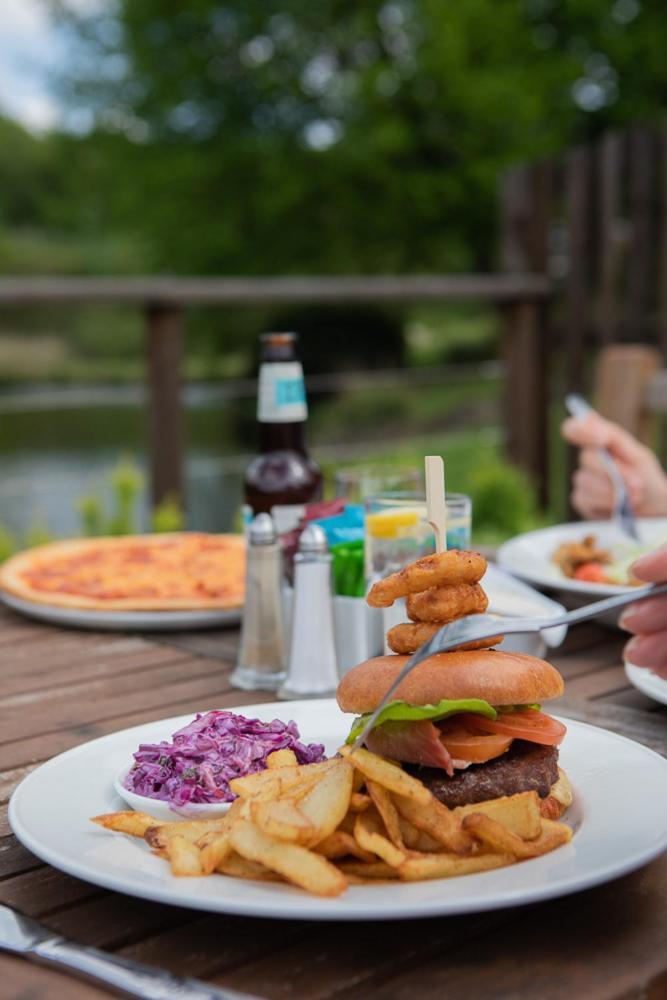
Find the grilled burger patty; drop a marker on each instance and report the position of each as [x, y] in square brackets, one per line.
[525, 767]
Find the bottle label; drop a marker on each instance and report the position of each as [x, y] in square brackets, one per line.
[282, 396]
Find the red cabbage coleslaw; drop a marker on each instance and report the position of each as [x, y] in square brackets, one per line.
[204, 756]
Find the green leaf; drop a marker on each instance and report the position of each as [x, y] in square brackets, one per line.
[400, 711]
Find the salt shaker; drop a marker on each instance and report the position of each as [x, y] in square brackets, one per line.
[312, 670]
[261, 662]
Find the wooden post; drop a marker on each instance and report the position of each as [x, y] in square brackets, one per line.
[623, 374]
[526, 210]
[526, 410]
[164, 353]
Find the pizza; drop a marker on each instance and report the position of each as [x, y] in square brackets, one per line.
[182, 571]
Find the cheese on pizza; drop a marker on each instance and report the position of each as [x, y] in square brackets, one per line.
[188, 570]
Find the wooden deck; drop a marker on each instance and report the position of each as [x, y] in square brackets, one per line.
[60, 688]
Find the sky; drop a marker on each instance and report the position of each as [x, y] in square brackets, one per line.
[31, 52]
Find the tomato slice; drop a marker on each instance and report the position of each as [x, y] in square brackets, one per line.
[531, 725]
[465, 744]
[591, 572]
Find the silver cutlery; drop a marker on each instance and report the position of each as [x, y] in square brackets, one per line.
[475, 627]
[623, 512]
[26, 937]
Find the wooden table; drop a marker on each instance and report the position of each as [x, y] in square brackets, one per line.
[60, 688]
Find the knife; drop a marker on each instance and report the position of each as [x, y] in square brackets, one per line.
[26, 937]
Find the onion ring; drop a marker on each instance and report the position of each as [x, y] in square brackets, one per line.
[409, 636]
[444, 604]
[453, 566]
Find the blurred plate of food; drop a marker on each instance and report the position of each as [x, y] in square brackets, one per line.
[584, 560]
[144, 582]
[646, 681]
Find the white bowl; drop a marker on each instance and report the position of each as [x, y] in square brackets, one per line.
[160, 809]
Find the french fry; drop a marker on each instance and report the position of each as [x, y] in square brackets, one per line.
[192, 831]
[133, 823]
[184, 857]
[214, 847]
[297, 864]
[426, 866]
[518, 813]
[387, 774]
[501, 840]
[417, 840]
[387, 810]
[237, 867]
[281, 758]
[326, 803]
[341, 845]
[368, 834]
[359, 871]
[284, 820]
[279, 778]
[359, 802]
[438, 821]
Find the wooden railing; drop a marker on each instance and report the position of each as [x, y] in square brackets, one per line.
[521, 298]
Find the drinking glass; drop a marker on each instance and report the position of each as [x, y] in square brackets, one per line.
[397, 532]
[356, 483]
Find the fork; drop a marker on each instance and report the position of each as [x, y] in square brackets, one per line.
[486, 626]
[623, 512]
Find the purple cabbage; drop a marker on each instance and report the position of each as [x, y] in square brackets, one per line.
[205, 755]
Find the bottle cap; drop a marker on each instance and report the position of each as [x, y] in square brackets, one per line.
[262, 530]
[313, 539]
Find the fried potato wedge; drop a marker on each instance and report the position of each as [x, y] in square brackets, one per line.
[341, 845]
[387, 774]
[498, 838]
[237, 867]
[361, 872]
[281, 758]
[438, 821]
[385, 806]
[284, 820]
[325, 804]
[183, 856]
[369, 834]
[417, 840]
[157, 836]
[278, 778]
[425, 866]
[133, 823]
[304, 868]
[359, 802]
[518, 813]
[214, 847]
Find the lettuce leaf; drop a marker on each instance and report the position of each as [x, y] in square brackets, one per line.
[400, 711]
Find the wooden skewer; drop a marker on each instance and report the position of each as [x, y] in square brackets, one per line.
[436, 509]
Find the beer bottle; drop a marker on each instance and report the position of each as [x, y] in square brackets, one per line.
[282, 478]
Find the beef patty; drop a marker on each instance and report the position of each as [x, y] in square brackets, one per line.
[525, 767]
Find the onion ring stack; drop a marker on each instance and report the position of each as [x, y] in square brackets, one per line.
[439, 589]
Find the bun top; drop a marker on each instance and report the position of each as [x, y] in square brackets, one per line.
[496, 677]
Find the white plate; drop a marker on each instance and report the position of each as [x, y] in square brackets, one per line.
[647, 682]
[619, 816]
[528, 556]
[509, 596]
[123, 621]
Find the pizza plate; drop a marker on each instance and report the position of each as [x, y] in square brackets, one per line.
[619, 818]
[123, 621]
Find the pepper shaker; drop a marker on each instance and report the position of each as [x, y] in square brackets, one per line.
[312, 670]
[261, 662]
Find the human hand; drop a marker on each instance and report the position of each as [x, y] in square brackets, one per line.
[592, 491]
[648, 619]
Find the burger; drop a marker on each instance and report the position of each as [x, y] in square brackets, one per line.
[468, 724]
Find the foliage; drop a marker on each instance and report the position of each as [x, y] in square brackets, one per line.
[269, 136]
[37, 534]
[7, 543]
[503, 501]
[167, 516]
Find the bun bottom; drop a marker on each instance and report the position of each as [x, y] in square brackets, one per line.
[559, 799]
